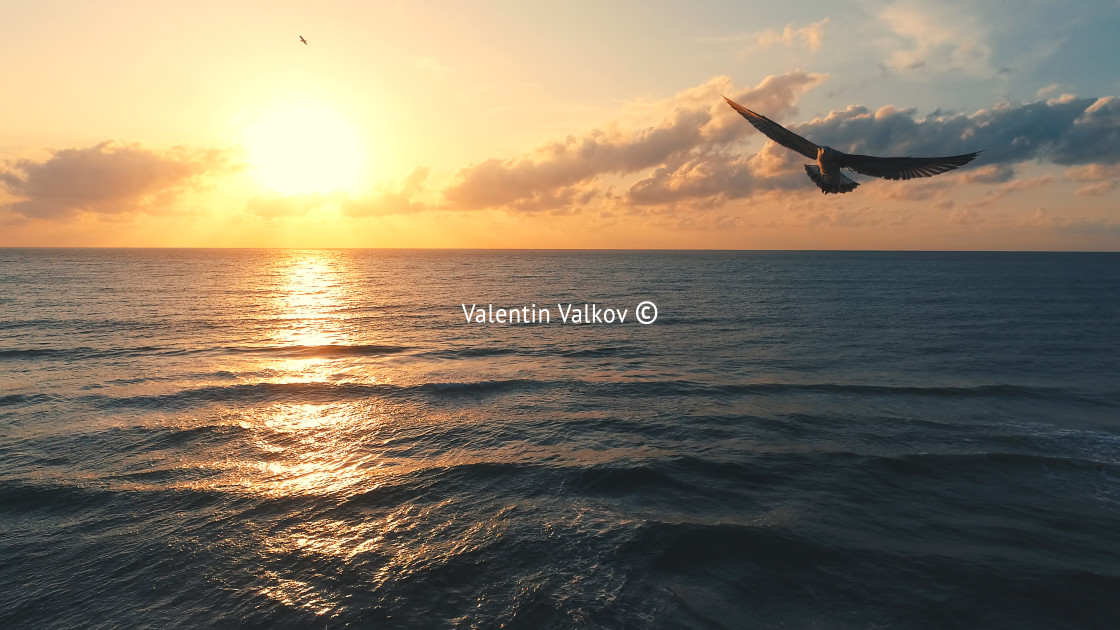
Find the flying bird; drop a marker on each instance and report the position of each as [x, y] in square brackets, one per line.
[303, 40]
[826, 172]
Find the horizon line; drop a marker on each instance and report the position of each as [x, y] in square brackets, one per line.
[567, 249]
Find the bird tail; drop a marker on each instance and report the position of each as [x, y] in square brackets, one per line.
[838, 183]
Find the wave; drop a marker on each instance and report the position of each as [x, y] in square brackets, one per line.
[999, 390]
[955, 464]
[492, 351]
[323, 351]
[77, 498]
[317, 392]
[70, 354]
[485, 386]
[684, 387]
[25, 399]
[85, 352]
[323, 392]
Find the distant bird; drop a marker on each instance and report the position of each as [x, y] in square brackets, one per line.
[826, 173]
[303, 40]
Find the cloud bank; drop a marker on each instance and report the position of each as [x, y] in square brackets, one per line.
[695, 153]
[572, 170]
[108, 178]
[686, 152]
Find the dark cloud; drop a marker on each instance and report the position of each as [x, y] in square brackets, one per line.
[1064, 131]
[108, 178]
[1093, 137]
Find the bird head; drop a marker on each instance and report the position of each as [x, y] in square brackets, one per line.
[826, 156]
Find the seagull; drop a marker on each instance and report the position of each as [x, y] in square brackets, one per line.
[303, 40]
[826, 173]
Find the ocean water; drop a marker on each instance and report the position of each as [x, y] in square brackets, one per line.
[304, 439]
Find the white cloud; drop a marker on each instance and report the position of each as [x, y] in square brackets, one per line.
[808, 36]
[935, 38]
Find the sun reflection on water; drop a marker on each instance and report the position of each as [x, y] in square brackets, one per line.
[309, 299]
[309, 429]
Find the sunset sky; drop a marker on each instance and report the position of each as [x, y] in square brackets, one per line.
[554, 125]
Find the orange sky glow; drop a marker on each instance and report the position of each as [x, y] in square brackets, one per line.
[501, 125]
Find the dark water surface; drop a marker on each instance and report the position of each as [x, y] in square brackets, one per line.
[273, 439]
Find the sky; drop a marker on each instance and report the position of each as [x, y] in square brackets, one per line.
[505, 124]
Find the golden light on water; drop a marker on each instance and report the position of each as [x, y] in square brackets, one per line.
[307, 306]
[297, 594]
[315, 440]
[315, 431]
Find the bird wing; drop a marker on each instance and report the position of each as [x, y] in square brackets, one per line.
[904, 167]
[776, 132]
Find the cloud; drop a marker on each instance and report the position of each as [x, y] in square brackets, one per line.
[1093, 172]
[989, 174]
[966, 217]
[1046, 91]
[920, 190]
[1094, 135]
[108, 178]
[1041, 219]
[711, 178]
[809, 36]
[1089, 226]
[689, 125]
[1065, 131]
[935, 38]
[688, 151]
[1013, 186]
[386, 201]
[1095, 190]
[1099, 179]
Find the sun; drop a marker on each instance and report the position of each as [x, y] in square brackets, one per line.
[302, 147]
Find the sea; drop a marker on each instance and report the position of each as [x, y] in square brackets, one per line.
[208, 438]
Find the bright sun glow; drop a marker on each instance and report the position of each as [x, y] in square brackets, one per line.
[302, 148]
